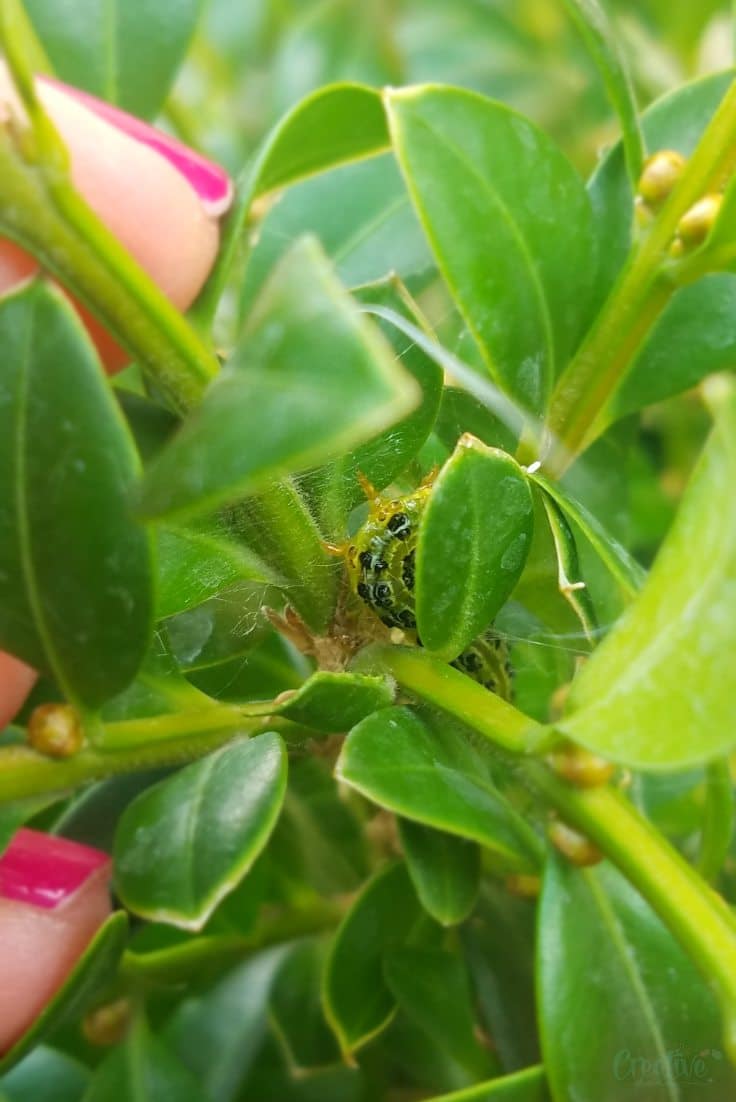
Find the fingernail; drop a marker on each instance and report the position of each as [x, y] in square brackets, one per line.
[211, 183]
[44, 871]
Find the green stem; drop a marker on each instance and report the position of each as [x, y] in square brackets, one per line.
[718, 816]
[638, 298]
[42, 212]
[697, 916]
[181, 962]
[128, 746]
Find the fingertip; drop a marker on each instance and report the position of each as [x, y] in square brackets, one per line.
[16, 681]
[53, 898]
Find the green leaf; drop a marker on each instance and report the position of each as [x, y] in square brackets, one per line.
[460, 412]
[217, 1034]
[186, 843]
[693, 338]
[430, 773]
[622, 1007]
[124, 51]
[45, 1076]
[499, 945]
[601, 40]
[296, 1009]
[474, 538]
[529, 1085]
[75, 582]
[332, 702]
[431, 987]
[676, 121]
[143, 1069]
[194, 565]
[625, 570]
[93, 971]
[444, 869]
[339, 123]
[332, 126]
[334, 490]
[510, 225]
[271, 667]
[319, 840]
[224, 627]
[357, 1001]
[657, 692]
[309, 379]
[362, 217]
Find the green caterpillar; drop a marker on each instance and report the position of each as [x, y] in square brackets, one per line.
[381, 567]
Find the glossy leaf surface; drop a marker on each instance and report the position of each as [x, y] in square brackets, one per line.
[310, 378]
[334, 702]
[510, 225]
[431, 987]
[444, 869]
[657, 691]
[123, 51]
[216, 1033]
[357, 1001]
[194, 565]
[75, 572]
[185, 843]
[621, 1006]
[429, 772]
[474, 538]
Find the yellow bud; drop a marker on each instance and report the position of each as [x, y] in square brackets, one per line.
[696, 223]
[660, 174]
[523, 884]
[578, 849]
[108, 1024]
[580, 767]
[55, 730]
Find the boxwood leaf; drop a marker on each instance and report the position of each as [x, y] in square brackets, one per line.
[357, 1001]
[509, 222]
[529, 1085]
[431, 987]
[339, 123]
[474, 538]
[92, 972]
[75, 571]
[622, 1008]
[444, 869]
[217, 1033]
[657, 693]
[296, 1009]
[602, 42]
[143, 1069]
[331, 702]
[124, 51]
[429, 772]
[334, 489]
[194, 565]
[693, 338]
[45, 1076]
[361, 214]
[187, 842]
[499, 946]
[309, 378]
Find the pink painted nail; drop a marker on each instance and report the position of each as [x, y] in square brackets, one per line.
[44, 870]
[53, 898]
[211, 183]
